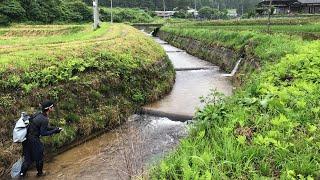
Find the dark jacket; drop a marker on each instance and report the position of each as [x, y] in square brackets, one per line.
[39, 126]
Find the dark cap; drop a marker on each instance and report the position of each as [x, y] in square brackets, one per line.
[46, 105]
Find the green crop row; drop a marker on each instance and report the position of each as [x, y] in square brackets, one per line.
[308, 28]
[260, 21]
[268, 128]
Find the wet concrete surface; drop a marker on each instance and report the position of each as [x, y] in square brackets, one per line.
[188, 88]
[160, 41]
[183, 60]
[194, 78]
[169, 48]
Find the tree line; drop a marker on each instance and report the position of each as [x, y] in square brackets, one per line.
[49, 11]
[243, 6]
[44, 11]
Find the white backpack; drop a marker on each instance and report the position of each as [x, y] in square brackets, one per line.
[20, 129]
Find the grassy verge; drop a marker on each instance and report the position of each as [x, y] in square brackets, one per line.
[308, 28]
[268, 129]
[97, 78]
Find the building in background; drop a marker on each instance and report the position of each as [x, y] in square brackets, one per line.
[232, 13]
[290, 6]
[165, 14]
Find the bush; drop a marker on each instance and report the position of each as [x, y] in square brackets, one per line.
[125, 15]
[210, 13]
[4, 20]
[76, 11]
[181, 14]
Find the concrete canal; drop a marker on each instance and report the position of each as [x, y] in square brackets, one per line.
[125, 152]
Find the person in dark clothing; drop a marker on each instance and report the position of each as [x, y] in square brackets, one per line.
[32, 147]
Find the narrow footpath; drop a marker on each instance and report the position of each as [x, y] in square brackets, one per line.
[127, 151]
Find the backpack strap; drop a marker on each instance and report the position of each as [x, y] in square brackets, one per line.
[33, 116]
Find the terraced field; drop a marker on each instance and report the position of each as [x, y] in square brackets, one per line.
[97, 78]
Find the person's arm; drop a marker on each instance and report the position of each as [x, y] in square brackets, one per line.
[44, 129]
[49, 128]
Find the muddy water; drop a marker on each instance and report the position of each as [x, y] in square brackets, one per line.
[189, 86]
[119, 154]
[184, 61]
[128, 150]
[194, 78]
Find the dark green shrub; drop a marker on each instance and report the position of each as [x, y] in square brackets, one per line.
[76, 11]
[47, 11]
[125, 15]
[72, 118]
[4, 20]
[12, 9]
[180, 14]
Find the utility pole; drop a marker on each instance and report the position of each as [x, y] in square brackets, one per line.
[242, 9]
[96, 22]
[111, 5]
[164, 8]
[269, 16]
[164, 5]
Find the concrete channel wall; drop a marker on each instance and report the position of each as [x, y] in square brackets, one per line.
[223, 57]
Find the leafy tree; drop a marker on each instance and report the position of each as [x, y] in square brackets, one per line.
[245, 5]
[4, 20]
[206, 12]
[12, 9]
[211, 13]
[45, 11]
[76, 11]
[125, 15]
[180, 14]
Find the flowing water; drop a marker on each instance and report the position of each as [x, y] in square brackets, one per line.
[194, 78]
[128, 150]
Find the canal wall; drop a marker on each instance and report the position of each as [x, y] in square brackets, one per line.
[225, 58]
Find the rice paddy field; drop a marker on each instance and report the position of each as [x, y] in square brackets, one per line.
[96, 78]
[308, 28]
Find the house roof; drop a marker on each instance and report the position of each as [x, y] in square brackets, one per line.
[309, 1]
[291, 1]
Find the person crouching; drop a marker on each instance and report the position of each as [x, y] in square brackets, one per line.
[32, 147]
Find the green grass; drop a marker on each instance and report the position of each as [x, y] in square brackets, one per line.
[68, 53]
[268, 128]
[96, 79]
[305, 27]
[263, 46]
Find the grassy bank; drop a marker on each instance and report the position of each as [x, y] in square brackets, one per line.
[97, 78]
[308, 28]
[268, 128]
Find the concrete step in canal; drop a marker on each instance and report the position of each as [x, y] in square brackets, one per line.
[194, 78]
